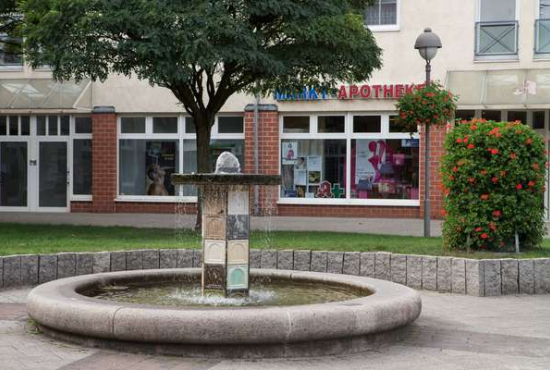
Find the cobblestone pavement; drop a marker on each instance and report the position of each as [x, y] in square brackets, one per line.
[453, 332]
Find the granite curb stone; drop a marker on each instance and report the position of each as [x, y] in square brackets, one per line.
[168, 258]
[118, 261]
[444, 274]
[185, 258]
[285, 259]
[151, 259]
[493, 279]
[382, 265]
[319, 261]
[414, 271]
[134, 260]
[367, 264]
[84, 263]
[335, 262]
[268, 259]
[542, 275]
[509, 270]
[12, 271]
[197, 257]
[475, 278]
[255, 258]
[352, 263]
[47, 270]
[429, 273]
[66, 265]
[101, 262]
[527, 277]
[399, 268]
[302, 260]
[29, 269]
[458, 276]
[1, 272]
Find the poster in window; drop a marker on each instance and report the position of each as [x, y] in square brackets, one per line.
[301, 163]
[160, 164]
[300, 177]
[314, 163]
[368, 161]
[314, 177]
[289, 152]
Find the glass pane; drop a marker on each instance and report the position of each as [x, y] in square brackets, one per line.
[14, 125]
[517, 116]
[313, 168]
[394, 126]
[296, 124]
[133, 125]
[189, 125]
[385, 169]
[331, 124]
[543, 36]
[83, 125]
[497, 39]
[367, 124]
[3, 125]
[544, 9]
[388, 12]
[53, 174]
[491, 115]
[465, 115]
[230, 125]
[25, 125]
[13, 174]
[146, 167]
[165, 125]
[538, 120]
[82, 167]
[52, 125]
[498, 10]
[372, 14]
[65, 125]
[10, 51]
[41, 125]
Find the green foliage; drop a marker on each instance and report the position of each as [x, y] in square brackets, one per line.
[493, 178]
[429, 105]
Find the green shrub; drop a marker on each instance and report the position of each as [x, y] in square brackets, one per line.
[493, 177]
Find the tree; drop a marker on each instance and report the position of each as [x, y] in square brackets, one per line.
[10, 19]
[204, 51]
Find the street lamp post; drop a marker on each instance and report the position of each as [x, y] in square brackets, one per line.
[427, 45]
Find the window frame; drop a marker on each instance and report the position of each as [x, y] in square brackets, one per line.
[497, 57]
[348, 135]
[72, 137]
[388, 27]
[180, 136]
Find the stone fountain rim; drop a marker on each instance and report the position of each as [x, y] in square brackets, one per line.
[224, 179]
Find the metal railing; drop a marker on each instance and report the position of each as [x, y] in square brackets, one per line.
[542, 36]
[497, 38]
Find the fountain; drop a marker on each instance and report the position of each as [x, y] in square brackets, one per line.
[225, 309]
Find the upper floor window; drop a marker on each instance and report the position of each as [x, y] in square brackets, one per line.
[10, 51]
[542, 29]
[497, 29]
[383, 14]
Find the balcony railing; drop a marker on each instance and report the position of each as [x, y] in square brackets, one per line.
[542, 36]
[496, 38]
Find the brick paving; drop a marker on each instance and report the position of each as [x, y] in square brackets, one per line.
[453, 332]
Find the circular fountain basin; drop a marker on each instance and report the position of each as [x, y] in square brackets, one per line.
[379, 315]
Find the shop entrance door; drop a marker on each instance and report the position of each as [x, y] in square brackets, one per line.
[14, 176]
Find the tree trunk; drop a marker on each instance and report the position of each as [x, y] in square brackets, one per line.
[203, 127]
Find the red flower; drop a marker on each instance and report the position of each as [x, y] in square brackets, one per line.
[494, 180]
[466, 140]
[471, 146]
[484, 236]
[483, 172]
[492, 226]
[497, 213]
[528, 141]
[498, 134]
[471, 179]
[502, 173]
[494, 151]
[531, 184]
[452, 178]
[455, 169]
[519, 186]
[535, 166]
[474, 127]
[513, 156]
[484, 197]
[478, 229]
[459, 140]
[443, 212]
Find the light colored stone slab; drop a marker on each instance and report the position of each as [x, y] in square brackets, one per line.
[382, 266]
[12, 271]
[185, 258]
[285, 260]
[510, 276]
[118, 261]
[268, 259]
[319, 261]
[542, 275]
[475, 278]
[151, 259]
[352, 263]
[255, 258]
[238, 203]
[429, 273]
[197, 258]
[444, 273]
[101, 262]
[29, 269]
[214, 252]
[216, 203]
[335, 262]
[215, 227]
[168, 258]
[66, 265]
[527, 277]
[414, 271]
[134, 260]
[302, 260]
[237, 277]
[84, 263]
[493, 278]
[237, 252]
[458, 275]
[399, 268]
[367, 264]
[47, 270]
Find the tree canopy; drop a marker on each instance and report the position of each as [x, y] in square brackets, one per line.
[10, 19]
[204, 51]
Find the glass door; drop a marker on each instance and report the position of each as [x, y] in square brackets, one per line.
[52, 176]
[13, 175]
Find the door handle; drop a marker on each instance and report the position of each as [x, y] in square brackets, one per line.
[33, 162]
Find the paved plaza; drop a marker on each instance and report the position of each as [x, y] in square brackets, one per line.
[453, 332]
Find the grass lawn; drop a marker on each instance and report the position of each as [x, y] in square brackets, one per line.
[37, 239]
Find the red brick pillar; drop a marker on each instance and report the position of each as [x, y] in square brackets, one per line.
[437, 141]
[268, 152]
[104, 159]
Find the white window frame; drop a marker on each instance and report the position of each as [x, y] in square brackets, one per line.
[498, 58]
[348, 135]
[389, 27]
[180, 136]
[73, 135]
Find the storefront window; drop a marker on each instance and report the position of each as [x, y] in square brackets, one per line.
[517, 115]
[146, 167]
[82, 167]
[296, 124]
[384, 169]
[313, 168]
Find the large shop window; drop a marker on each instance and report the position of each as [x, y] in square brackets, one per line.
[366, 160]
[82, 167]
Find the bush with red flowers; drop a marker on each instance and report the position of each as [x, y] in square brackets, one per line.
[493, 178]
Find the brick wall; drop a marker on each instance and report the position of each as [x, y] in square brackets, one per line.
[437, 141]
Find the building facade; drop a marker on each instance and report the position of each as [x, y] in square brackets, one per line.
[112, 146]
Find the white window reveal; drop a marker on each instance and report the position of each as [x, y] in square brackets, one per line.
[383, 15]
